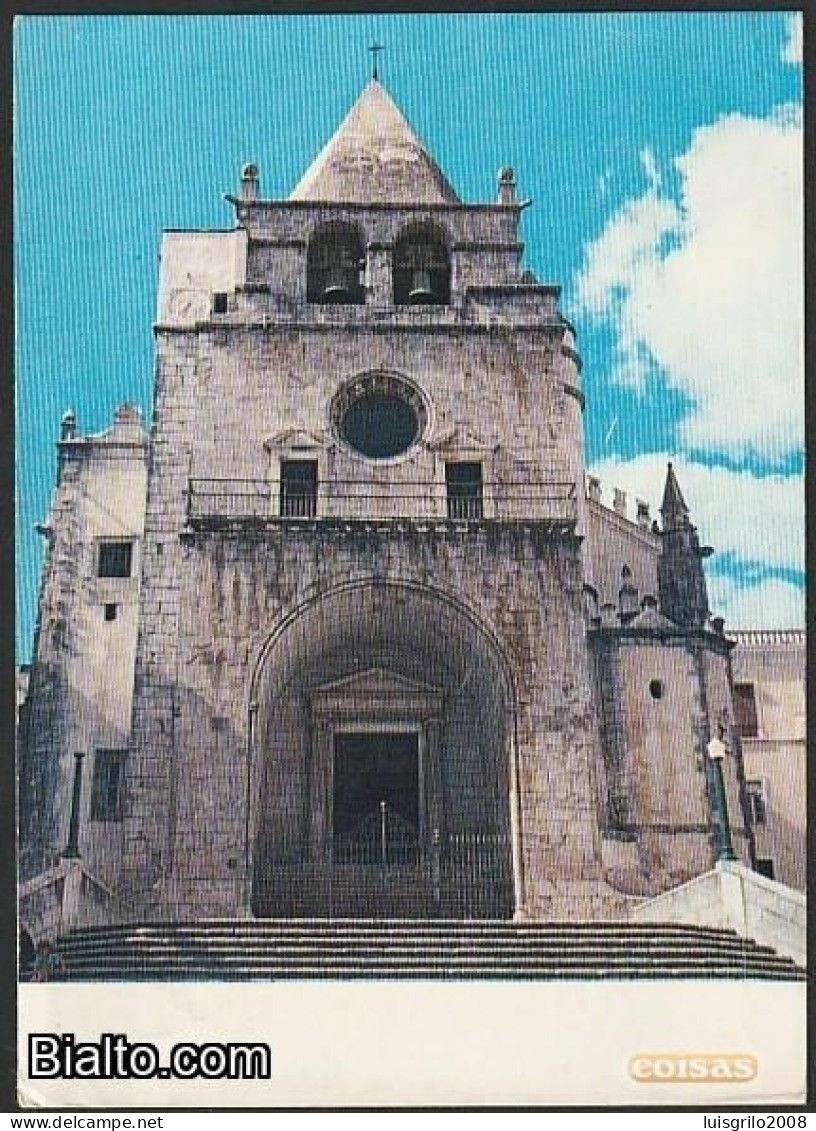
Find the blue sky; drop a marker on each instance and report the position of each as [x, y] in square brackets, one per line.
[663, 155]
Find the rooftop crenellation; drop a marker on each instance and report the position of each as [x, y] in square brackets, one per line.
[620, 504]
[762, 637]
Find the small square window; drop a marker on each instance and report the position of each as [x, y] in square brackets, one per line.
[115, 559]
[464, 488]
[219, 303]
[110, 612]
[298, 488]
[106, 790]
[765, 868]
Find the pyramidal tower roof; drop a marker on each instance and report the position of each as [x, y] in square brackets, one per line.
[673, 508]
[375, 157]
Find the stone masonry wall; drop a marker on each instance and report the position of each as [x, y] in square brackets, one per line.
[665, 688]
[81, 683]
[251, 387]
[231, 392]
[234, 591]
[774, 663]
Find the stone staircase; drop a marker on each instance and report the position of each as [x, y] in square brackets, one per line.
[285, 949]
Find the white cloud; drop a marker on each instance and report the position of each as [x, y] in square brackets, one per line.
[647, 160]
[757, 519]
[710, 286]
[627, 246]
[772, 603]
[792, 51]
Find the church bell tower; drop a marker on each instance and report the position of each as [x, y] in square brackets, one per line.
[362, 678]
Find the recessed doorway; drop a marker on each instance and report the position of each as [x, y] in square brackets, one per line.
[375, 810]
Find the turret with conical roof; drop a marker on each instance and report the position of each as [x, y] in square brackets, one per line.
[681, 580]
[673, 509]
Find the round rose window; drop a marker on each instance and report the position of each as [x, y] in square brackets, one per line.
[379, 416]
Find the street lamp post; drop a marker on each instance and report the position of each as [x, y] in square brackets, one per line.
[72, 847]
[716, 752]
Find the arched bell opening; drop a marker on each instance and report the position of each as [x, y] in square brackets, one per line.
[421, 267]
[381, 774]
[335, 264]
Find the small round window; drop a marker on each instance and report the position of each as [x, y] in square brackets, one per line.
[379, 416]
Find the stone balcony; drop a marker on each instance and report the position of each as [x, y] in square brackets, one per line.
[215, 503]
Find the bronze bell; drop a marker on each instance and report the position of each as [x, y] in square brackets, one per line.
[336, 287]
[421, 290]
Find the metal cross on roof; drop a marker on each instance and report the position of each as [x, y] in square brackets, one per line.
[375, 50]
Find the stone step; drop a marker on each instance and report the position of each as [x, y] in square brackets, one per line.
[600, 948]
[539, 970]
[413, 927]
[372, 961]
[292, 953]
[189, 935]
[388, 949]
[292, 972]
[408, 926]
[329, 951]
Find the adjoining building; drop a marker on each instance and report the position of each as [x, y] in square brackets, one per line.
[769, 707]
[347, 634]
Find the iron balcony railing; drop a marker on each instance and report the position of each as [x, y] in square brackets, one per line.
[298, 504]
[468, 507]
[215, 501]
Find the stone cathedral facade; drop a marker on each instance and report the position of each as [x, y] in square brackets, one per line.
[349, 633]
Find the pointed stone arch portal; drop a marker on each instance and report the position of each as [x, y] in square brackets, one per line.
[382, 776]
